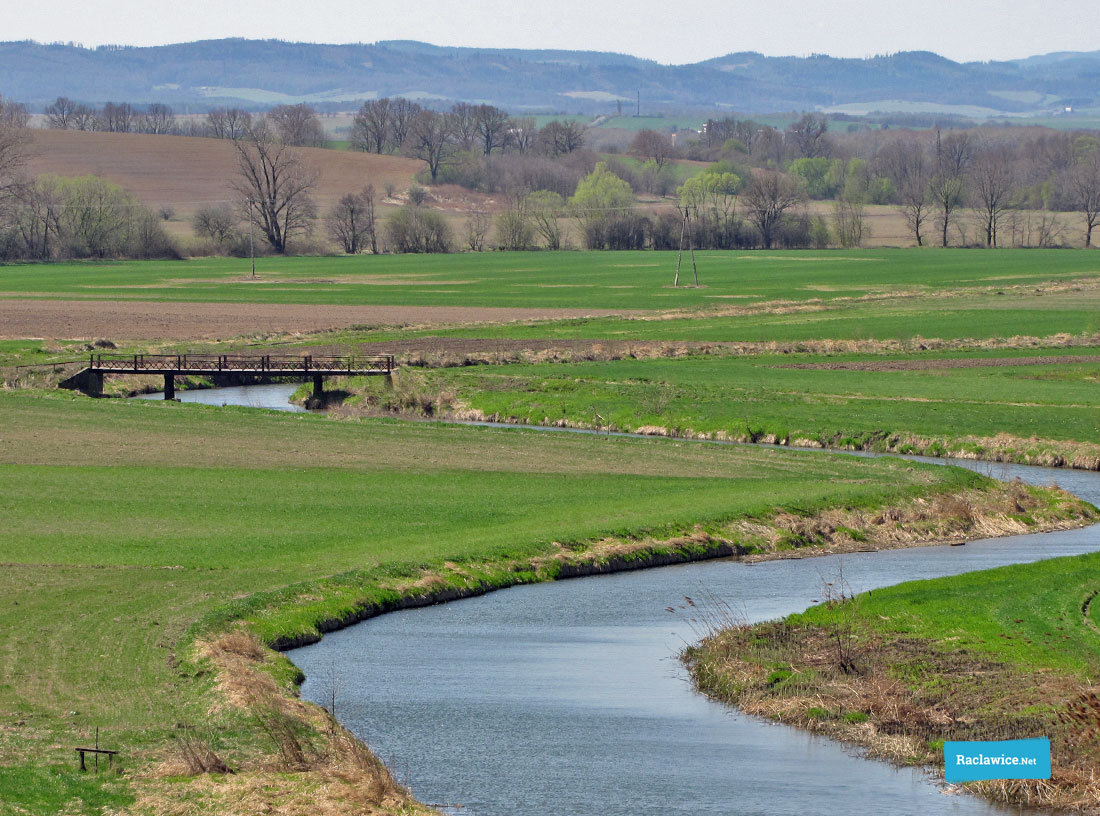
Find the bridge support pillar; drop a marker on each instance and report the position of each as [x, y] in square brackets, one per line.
[95, 384]
[169, 386]
[318, 386]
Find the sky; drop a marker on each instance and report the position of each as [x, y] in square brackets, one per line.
[668, 31]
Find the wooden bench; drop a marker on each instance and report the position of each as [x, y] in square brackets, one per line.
[97, 751]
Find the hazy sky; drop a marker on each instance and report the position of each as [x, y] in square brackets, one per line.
[668, 31]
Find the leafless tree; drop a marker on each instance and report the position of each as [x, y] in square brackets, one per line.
[521, 134]
[993, 181]
[84, 118]
[464, 120]
[768, 196]
[545, 207]
[491, 125]
[216, 222]
[59, 113]
[116, 118]
[14, 139]
[651, 144]
[274, 183]
[903, 161]
[14, 114]
[558, 138]
[352, 223]
[476, 230]
[1083, 184]
[953, 156]
[403, 112]
[229, 123]
[430, 138]
[36, 216]
[372, 129]
[297, 125]
[157, 119]
[809, 136]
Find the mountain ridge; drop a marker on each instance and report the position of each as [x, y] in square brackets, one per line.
[257, 73]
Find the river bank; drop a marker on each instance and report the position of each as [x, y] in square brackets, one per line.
[1004, 654]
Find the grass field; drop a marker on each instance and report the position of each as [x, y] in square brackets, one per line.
[899, 670]
[788, 398]
[126, 523]
[135, 532]
[596, 280]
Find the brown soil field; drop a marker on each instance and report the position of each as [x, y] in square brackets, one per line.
[185, 173]
[61, 319]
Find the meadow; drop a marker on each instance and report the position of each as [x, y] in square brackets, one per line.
[629, 280]
[135, 530]
[137, 535]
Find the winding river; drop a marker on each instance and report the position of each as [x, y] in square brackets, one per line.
[567, 699]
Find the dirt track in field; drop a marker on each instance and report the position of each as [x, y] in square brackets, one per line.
[921, 365]
[86, 320]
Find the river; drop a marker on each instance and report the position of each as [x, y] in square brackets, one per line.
[568, 698]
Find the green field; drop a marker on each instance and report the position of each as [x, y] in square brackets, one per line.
[593, 280]
[128, 523]
[133, 531]
[749, 397]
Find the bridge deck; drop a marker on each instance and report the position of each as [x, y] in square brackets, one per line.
[263, 364]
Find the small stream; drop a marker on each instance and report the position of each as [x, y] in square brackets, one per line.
[568, 699]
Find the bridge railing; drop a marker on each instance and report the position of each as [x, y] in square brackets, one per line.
[304, 364]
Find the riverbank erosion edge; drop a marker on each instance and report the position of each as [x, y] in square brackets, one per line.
[238, 646]
[1001, 654]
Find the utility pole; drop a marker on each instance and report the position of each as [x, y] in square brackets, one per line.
[638, 112]
[251, 249]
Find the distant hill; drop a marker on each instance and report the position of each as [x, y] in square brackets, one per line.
[257, 73]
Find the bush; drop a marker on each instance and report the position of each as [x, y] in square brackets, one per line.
[413, 229]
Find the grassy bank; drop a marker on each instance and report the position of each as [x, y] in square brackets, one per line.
[1031, 407]
[138, 534]
[1002, 654]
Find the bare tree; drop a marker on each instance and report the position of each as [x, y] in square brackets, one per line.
[521, 134]
[464, 120]
[545, 207]
[14, 139]
[216, 222]
[650, 144]
[403, 112]
[274, 183]
[84, 118]
[229, 123]
[904, 163]
[116, 118]
[558, 138]
[953, 157]
[993, 179]
[1083, 185]
[36, 216]
[431, 139]
[297, 125]
[476, 229]
[491, 125]
[157, 119]
[809, 136]
[768, 196]
[14, 114]
[372, 129]
[351, 222]
[60, 113]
